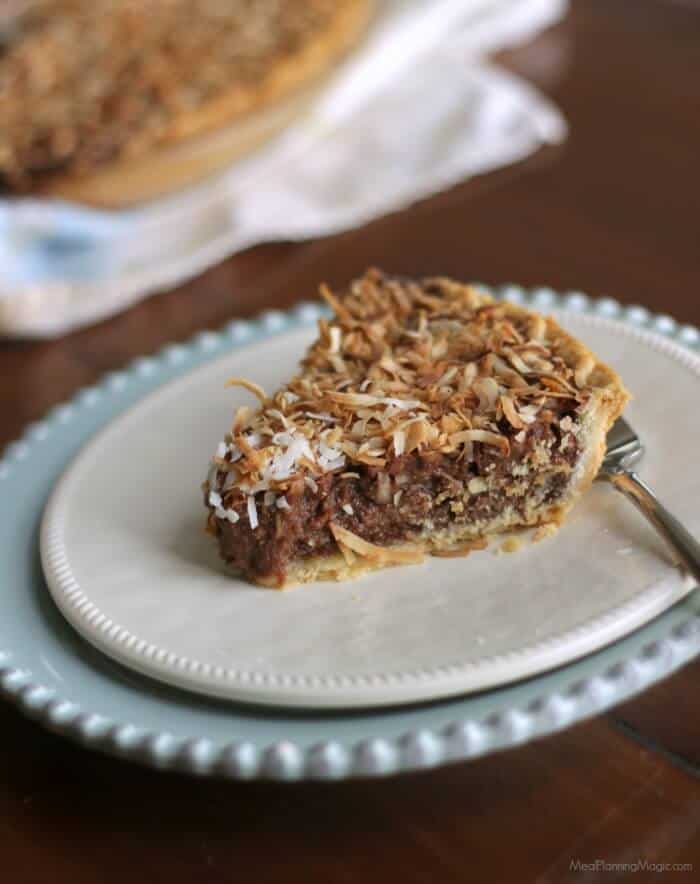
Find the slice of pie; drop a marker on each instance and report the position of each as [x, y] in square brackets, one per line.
[90, 90]
[425, 418]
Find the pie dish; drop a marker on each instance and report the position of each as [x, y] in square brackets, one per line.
[101, 92]
[426, 418]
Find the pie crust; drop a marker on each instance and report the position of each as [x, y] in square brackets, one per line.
[110, 102]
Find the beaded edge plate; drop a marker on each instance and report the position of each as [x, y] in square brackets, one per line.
[129, 566]
[68, 687]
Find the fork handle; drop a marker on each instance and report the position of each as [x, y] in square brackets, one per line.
[683, 543]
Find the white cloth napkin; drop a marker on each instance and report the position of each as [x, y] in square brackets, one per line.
[411, 113]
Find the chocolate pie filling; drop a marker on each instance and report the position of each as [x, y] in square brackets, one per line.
[391, 505]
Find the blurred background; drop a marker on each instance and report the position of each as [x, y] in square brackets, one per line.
[169, 165]
[141, 143]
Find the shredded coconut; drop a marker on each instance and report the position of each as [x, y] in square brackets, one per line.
[252, 512]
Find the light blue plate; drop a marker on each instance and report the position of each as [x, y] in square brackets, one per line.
[62, 682]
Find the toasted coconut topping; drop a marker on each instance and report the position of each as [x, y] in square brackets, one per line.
[514, 419]
[485, 436]
[385, 554]
[583, 369]
[402, 368]
[255, 389]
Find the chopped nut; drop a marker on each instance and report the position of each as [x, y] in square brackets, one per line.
[477, 485]
[511, 544]
[549, 529]
[511, 414]
[566, 424]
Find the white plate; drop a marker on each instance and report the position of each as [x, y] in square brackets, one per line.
[129, 565]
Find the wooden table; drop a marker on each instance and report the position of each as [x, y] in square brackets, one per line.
[613, 211]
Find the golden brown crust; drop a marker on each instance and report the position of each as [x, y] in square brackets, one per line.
[409, 377]
[462, 540]
[179, 163]
[149, 153]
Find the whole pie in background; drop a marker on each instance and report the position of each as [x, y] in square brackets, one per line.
[100, 99]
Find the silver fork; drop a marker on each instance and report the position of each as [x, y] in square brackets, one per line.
[624, 450]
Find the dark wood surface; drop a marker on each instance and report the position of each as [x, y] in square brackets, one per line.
[613, 211]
